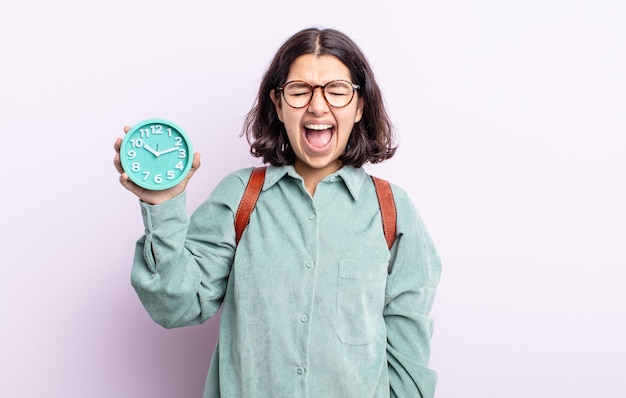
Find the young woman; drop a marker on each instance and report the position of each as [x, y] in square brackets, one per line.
[314, 303]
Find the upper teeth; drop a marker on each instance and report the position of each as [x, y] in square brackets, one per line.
[318, 126]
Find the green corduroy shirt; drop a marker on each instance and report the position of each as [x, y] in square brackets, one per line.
[313, 302]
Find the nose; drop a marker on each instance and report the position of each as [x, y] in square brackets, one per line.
[318, 104]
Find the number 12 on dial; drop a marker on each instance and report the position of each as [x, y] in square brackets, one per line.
[156, 154]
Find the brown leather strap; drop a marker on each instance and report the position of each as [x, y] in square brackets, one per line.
[255, 184]
[248, 201]
[387, 209]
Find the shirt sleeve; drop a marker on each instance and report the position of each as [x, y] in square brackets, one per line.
[181, 264]
[415, 270]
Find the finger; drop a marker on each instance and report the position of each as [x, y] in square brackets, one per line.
[126, 128]
[117, 163]
[131, 186]
[117, 145]
[195, 165]
[126, 183]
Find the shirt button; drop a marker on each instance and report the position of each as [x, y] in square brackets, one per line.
[300, 371]
[304, 318]
[311, 216]
[309, 265]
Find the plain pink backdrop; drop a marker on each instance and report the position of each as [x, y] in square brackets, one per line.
[510, 118]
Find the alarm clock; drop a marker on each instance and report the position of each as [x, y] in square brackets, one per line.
[156, 154]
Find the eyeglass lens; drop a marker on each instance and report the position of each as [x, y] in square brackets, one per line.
[299, 94]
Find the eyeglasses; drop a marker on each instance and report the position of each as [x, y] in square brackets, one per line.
[337, 93]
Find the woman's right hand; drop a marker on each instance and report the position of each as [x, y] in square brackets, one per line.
[145, 195]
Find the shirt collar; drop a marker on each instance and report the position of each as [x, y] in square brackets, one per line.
[352, 176]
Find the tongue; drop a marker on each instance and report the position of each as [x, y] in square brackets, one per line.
[319, 138]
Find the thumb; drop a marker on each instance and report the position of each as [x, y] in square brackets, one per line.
[195, 165]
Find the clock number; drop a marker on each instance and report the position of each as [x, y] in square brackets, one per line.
[182, 153]
[158, 178]
[179, 166]
[146, 175]
[170, 175]
[135, 167]
[136, 143]
[145, 133]
[179, 141]
[132, 154]
[169, 132]
[156, 129]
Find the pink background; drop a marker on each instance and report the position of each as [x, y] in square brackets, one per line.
[511, 121]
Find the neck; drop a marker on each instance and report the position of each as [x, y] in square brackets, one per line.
[312, 176]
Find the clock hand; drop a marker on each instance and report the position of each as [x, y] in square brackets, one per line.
[172, 149]
[149, 149]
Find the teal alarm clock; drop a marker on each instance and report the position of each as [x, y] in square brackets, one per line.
[156, 154]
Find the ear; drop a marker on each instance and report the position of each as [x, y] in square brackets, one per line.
[277, 105]
[359, 110]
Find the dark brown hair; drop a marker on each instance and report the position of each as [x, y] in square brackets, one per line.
[372, 137]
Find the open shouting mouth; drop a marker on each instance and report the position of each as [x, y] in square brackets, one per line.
[318, 137]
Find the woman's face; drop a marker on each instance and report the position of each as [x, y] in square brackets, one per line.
[318, 133]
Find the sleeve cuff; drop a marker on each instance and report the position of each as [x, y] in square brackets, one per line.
[165, 218]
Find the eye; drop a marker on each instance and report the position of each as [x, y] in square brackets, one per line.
[297, 89]
[338, 89]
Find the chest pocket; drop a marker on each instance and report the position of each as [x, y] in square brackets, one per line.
[360, 301]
